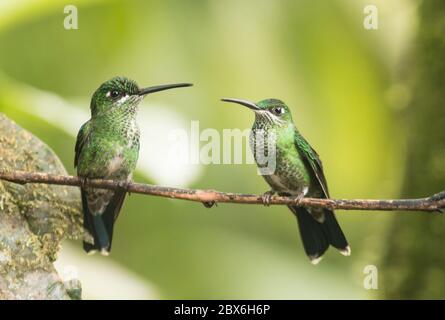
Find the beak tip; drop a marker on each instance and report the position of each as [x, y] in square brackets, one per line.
[245, 103]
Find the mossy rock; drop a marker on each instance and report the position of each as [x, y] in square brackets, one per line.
[34, 218]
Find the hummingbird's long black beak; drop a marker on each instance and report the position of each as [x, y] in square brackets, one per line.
[145, 91]
[245, 103]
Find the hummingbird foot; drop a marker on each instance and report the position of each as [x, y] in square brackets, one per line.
[83, 182]
[266, 197]
[125, 185]
[209, 204]
[298, 198]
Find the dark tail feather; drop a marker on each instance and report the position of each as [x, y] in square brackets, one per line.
[316, 236]
[334, 233]
[100, 226]
[314, 240]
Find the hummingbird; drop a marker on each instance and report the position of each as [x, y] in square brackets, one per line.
[107, 147]
[298, 172]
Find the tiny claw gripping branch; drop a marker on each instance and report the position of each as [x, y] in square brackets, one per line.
[266, 197]
[125, 186]
[83, 182]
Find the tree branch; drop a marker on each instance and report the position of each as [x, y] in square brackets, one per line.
[433, 203]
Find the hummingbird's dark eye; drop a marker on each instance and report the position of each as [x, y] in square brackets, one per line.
[278, 110]
[114, 93]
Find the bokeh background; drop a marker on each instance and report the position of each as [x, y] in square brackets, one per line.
[369, 101]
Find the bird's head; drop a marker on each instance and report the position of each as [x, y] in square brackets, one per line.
[270, 111]
[121, 92]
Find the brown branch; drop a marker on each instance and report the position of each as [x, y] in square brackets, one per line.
[432, 203]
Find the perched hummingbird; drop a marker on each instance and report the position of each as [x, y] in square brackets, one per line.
[107, 147]
[298, 172]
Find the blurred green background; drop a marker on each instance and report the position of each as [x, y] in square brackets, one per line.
[354, 94]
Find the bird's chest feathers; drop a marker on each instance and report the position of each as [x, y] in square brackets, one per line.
[131, 134]
[277, 182]
[120, 127]
[115, 163]
[121, 152]
[276, 141]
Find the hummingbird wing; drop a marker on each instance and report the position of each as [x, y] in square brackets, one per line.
[82, 138]
[326, 228]
[311, 158]
[100, 206]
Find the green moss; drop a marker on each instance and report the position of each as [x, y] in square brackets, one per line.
[34, 218]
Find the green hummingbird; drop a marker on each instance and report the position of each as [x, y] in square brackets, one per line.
[298, 172]
[107, 147]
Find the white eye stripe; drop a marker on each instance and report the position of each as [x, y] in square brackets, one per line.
[123, 99]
